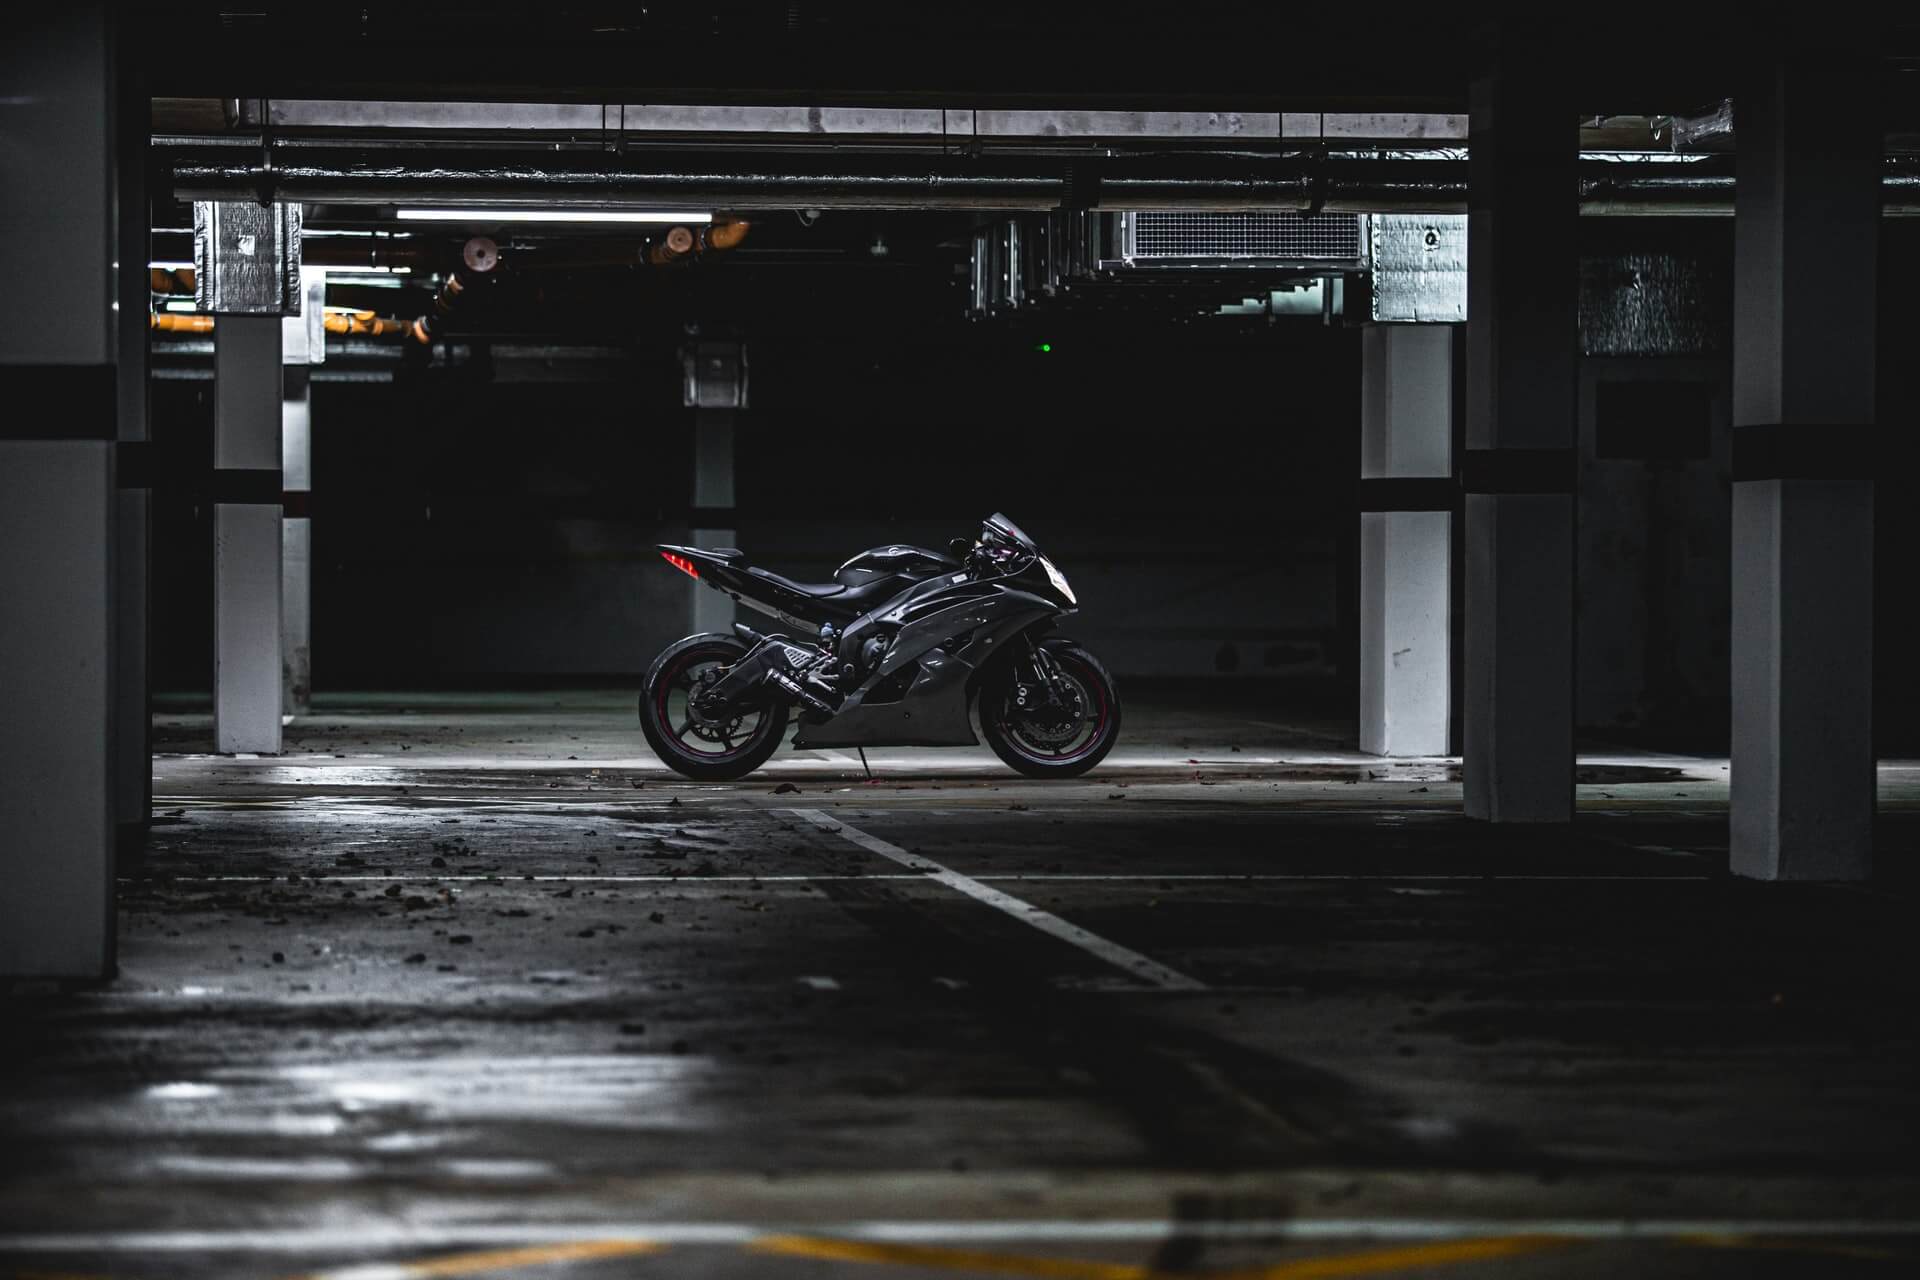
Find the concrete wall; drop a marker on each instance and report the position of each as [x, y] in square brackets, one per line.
[1195, 490]
[1653, 553]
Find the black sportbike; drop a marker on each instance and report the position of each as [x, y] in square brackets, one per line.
[896, 651]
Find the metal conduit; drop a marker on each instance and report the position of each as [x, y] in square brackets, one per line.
[1305, 183]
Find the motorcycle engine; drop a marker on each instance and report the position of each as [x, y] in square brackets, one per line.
[873, 650]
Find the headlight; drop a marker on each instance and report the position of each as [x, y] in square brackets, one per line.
[1058, 579]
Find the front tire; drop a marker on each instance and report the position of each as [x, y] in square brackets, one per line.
[706, 751]
[1049, 750]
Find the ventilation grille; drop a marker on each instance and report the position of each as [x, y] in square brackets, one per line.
[1280, 235]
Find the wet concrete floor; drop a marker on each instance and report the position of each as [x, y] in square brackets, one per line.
[472, 986]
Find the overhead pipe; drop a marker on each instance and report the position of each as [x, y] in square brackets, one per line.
[478, 259]
[724, 233]
[358, 323]
[1216, 181]
[368, 324]
[785, 180]
[179, 322]
[367, 253]
[672, 247]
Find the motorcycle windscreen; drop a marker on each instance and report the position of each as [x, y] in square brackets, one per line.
[1010, 531]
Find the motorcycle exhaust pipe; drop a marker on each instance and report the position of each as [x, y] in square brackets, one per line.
[791, 687]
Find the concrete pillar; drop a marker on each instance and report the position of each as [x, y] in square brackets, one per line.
[133, 728]
[296, 542]
[246, 534]
[1518, 470]
[59, 719]
[712, 493]
[303, 344]
[1806, 232]
[715, 375]
[1406, 538]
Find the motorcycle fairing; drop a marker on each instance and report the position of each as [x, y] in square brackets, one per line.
[933, 712]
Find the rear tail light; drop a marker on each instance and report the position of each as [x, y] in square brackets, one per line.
[681, 563]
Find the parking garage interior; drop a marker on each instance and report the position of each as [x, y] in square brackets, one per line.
[1478, 461]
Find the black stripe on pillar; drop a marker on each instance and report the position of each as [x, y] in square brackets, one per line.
[1803, 451]
[133, 464]
[258, 487]
[711, 517]
[59, 401]
[1409, 493]
[296, 504]
[1517, 471]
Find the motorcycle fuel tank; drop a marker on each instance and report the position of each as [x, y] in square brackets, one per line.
[893, 561]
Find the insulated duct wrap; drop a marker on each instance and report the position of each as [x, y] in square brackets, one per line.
[1419, 268]
[246, 258]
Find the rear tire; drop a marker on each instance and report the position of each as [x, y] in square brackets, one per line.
[670, 729]
[1014, 742]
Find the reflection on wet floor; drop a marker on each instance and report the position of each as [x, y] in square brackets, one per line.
[452, 1010]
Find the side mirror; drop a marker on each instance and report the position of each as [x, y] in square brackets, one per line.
[960, 547]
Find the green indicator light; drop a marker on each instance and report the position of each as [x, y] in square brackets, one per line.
[1044, 346]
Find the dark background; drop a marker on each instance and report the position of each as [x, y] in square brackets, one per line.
[1194, 476]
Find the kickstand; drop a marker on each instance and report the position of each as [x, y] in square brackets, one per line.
[864, 764]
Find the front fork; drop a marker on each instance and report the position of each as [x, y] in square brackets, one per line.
[1046, 675]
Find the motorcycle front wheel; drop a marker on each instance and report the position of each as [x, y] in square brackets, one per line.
[705, 748]
[1055, 741]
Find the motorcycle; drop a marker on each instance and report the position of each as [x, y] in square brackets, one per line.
[898, 650]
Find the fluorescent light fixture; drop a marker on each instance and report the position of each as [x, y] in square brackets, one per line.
[550, 215]
[334, 273]
[169, 266]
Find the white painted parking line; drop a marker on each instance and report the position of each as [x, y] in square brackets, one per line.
[1010, 877]
[371, 1235]
[1129, 961]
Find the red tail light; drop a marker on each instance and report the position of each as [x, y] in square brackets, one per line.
[681, 563]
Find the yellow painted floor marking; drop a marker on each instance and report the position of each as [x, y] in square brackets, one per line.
[1376, 1262]
[467, 1264]
[1371, 1262]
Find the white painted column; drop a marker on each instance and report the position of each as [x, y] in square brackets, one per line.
[296, 543]
[1518, 470]
[303, 344]
[58, 626]
[1406, 552]
[1806, 237]
[712, 491]
[715, 388]
[246, 534]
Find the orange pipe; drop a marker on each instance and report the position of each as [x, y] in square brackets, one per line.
[725, 233]
[179, 322]
[160, 280]
[359, 323]
[367, 324]
[673, 246]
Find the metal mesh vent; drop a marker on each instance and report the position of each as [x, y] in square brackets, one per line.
[1280, 234]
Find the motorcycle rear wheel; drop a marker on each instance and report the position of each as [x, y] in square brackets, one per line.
[705, 752]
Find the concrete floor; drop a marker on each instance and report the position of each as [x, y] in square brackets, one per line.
[469, 985]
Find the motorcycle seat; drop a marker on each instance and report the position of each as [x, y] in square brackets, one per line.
[813, 590]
